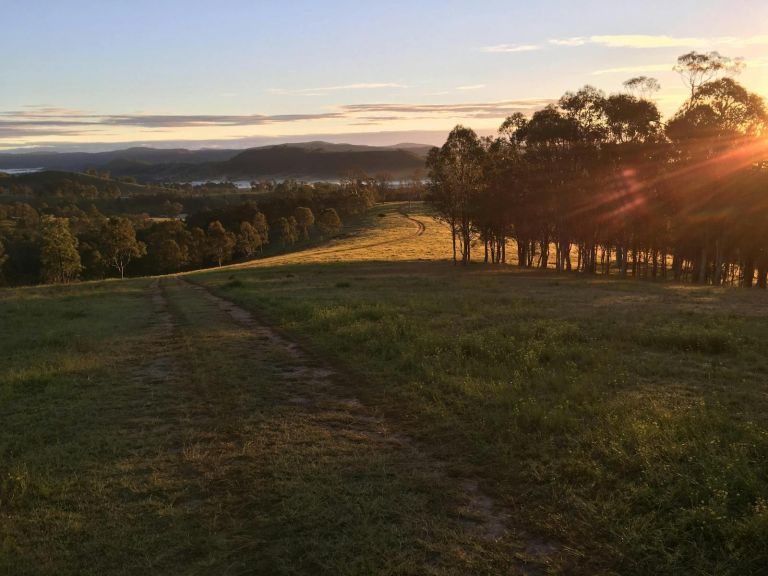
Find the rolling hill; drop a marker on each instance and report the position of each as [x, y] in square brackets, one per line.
[307, 160]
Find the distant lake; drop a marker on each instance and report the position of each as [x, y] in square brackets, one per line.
[240, 184]
[21, 170]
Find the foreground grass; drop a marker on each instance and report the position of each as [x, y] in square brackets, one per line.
[144, 431]
[623, 426]
[626, 422]
[62, 420]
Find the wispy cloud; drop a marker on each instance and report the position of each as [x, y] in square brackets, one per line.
[340, 88]
[480, 110]
[470, 87]
[457, 109]
[634, 69]
[50, 122]
[71, 122]
[660, 41]
[511, 48]
[750, 63]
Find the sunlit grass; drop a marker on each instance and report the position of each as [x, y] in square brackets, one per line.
[623, 424]
[625, 421]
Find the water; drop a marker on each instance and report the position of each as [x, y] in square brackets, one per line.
[14, 171]
[239, 184]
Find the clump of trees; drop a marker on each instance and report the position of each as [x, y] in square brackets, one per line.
[329, 223]
[601, 184]
[64, 242]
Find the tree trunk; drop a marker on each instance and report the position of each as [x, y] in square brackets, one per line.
[762, 276]
[748, 274]
[702, 275]
[717, 279]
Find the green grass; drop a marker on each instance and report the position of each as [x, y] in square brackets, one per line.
[625, 421]
[143, 439]
[622, 426]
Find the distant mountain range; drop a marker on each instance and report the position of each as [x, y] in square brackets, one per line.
[306, 160]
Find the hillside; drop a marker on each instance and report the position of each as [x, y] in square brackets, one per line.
[304, 160]
[366, 403]
[51, 182]
[81, 161]
[320, 160]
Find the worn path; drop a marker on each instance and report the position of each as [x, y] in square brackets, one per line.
[289, 472]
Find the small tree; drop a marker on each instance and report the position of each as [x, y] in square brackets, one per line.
[248, 240]
[329, 222]
[221, 242]
[58, 255]
[305, 219]
[287, 230]
[642, 86]
[198, 247]
[261, 226]
[119, 244]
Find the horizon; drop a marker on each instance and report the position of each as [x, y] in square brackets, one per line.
[105, 77]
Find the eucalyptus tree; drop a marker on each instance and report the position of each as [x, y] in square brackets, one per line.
[220, 242]
[305, 220]
[249, 240]
[699, 68]
[642, 86]
[118, 244]
[457, 174]
[59, 258]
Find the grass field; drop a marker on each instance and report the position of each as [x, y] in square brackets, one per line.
[401, 416]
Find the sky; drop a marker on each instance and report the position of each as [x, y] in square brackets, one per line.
[99, 75]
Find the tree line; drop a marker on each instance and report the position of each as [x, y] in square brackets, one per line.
[601, 183]
[64, 243]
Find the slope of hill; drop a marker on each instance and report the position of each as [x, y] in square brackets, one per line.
[80, 161]
[308, 160]
[51, 182]
[320, 160]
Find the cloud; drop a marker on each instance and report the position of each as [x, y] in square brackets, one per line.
[511, 48]
[750, 63]
[51, 119]
[660, 41]
[576, 41]
[471, 87]
[460, 109]
[634, 69]
[343, 87]
[46, 123]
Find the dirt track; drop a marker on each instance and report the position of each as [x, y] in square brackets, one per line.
[321, 393]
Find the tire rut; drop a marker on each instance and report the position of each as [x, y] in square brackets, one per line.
[314, 385]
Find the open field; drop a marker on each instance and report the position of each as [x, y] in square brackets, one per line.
[366, 407]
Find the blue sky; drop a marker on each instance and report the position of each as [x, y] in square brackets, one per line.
[236, 73]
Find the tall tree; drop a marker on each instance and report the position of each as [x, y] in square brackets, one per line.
[220, 242]
[262, 227]
[287, 230]
[698, 68]
[58, 254]
[456, 173]
[305, 219]
[119, 244]
[249, 240]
